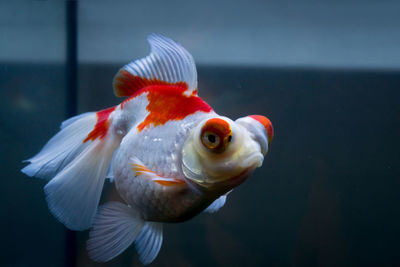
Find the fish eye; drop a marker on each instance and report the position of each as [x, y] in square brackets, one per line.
[210, 140]
[216, 135]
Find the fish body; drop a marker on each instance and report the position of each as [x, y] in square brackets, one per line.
[170, 156]
[164, 200]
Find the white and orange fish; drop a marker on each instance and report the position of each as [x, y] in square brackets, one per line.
[170, 155]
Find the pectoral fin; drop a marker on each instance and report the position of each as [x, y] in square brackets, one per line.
[140, 170]
[217, 204]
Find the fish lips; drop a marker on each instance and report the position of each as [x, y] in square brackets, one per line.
[221, 185]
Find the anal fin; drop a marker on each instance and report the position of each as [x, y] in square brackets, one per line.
[148, 242]
[116, 227]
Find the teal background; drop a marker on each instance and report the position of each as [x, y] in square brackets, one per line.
[328, 191]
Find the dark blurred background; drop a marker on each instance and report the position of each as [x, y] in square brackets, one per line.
[327, 74]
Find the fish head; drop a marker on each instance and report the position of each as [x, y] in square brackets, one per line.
[220, 154]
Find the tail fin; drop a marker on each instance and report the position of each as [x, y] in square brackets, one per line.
[115, 228]
[78, 158]
[62, 148]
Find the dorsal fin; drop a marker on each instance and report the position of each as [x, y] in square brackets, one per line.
[168, 63]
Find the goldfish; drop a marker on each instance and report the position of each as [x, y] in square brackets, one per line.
[169, 154]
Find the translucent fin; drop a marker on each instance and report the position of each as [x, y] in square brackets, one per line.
[115, 228]
[74, 119]
[73, 195]
[62, 148]
[168, 63]
[217, 204]
[148, 242]
[78, 158]
[110, 171]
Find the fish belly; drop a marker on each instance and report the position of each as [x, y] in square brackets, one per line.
[159, 148]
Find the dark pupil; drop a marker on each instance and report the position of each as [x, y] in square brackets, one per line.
[211, 138]
[229, 138]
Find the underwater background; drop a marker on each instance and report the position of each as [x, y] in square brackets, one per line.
[327, 74]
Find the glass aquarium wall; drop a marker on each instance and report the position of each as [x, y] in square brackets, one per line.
[32, 104]
[326, 74]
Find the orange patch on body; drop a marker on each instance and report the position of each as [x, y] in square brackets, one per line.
[101, 128]
[168, 103]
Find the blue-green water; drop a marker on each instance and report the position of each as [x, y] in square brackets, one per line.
[327, 194]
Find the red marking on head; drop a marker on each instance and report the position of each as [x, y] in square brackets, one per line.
[125, 84]
[169, 103]
[220, 128]
[101, 128]
[267, 125]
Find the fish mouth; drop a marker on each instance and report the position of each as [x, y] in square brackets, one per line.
[252, 162]
[228, 182]
[234, 172]
[248, 165]
[232, 182]
[255, 159]
[240, 178]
